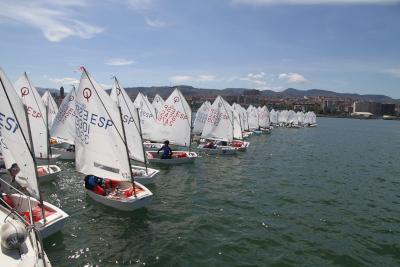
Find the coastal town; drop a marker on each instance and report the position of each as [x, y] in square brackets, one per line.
[323, 103]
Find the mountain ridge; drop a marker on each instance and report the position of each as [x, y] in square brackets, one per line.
[188, 90]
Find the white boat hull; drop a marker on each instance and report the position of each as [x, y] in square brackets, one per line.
[31, 248]
[125, 204]
[152, 146]
[64, 153]
[47, 173]
[52, 160]
[240, 145]
[140, 175]
[53, 223]
[189, 157]
[220, 150]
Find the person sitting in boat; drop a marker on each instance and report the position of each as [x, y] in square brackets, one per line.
[7, 180]
[96, 184]
[210, 145]
[167, 151]
[71, 148]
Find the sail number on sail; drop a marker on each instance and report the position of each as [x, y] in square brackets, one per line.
[214, 117]
[64, 113]
[84, 119]
[169, 115]
[9, 123]
[34, 113]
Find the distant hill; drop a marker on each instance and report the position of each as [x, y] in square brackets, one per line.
[165, 91]
[291, 92]
[187, 90]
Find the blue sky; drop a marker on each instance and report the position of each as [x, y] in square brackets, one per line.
[340, 45]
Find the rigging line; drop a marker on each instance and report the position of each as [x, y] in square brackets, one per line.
[94, 88]
[187, 114]
[125, 101]
[223, 103]
[13, 111]
[144, 100]
[34, 97]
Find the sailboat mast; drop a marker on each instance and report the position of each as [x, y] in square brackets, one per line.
[141, 140]
[127, 150]
[34, 161]
[48, 137]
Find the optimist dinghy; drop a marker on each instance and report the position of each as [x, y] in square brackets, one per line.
[47, 173]
[63, 130]
[216, 146]
[38, 115]
[103, 152]
[174, 123]
[19, 157]
[144, 175]
[120, 195]
[132, 126]
[54, 217]
[178, 157]
[20, 241]
[219, 129]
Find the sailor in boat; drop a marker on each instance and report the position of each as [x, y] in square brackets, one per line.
[71, 148]
[6, 179]
[96, 184]
[167, 151]
[105, 187]
[210, 145]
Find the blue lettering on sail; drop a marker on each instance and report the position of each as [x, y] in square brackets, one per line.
[9, 123]
[84, 120]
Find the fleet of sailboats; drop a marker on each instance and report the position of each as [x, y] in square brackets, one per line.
[112, 140]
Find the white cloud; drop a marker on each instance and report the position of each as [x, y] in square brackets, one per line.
[206, 78]
[119, 62]
[155, 23]
[141, 5]
[56, 19]
[314, 2]
[393, 72]
[64, 81]
[292, 77]
[181, 78]
[256, 78]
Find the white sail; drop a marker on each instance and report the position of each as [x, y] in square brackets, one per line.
[219, 121]
[147, 116]
[300, 118]
[51, 105]
[158, 104]
[273, 116]
[201, 117]
[291, 116]
[245, 119]
[263, 116]
[313, 118]
[282, 116]
[15, 135]
[237, 127]
[36, 114]
[64, 123]
[100, 149]
[174, 120]
[130, 118]
[252, 113]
